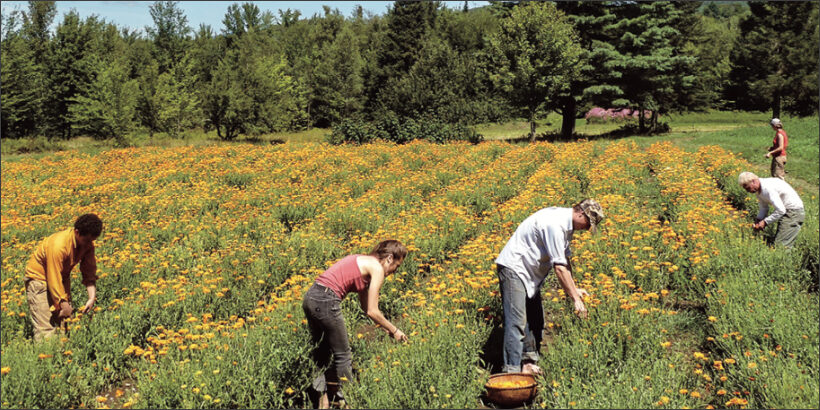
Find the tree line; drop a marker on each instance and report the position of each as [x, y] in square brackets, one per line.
[263, 72]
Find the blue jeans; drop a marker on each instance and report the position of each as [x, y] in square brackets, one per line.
[523, 321]
[327, 329]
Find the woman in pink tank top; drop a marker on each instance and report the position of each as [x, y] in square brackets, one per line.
[778, 149]
[362, 274]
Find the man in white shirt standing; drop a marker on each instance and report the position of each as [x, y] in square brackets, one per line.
[539, 244]
[788, 207]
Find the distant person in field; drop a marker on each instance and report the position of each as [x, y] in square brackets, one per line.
[362, 274]
[539, 244]
[788, 207]
[777, 151]
[48, 274]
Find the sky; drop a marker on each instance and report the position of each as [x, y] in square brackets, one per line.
[135, 14]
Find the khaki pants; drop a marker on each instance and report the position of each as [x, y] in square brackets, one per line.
[779, 167]
[45, 322]
[788, 227]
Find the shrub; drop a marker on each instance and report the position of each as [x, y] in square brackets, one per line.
[391, 127]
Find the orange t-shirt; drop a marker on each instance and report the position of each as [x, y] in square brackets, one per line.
[53, 261]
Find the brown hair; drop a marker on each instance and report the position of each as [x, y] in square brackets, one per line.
[389, 247]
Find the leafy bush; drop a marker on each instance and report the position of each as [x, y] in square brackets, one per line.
[391, 127]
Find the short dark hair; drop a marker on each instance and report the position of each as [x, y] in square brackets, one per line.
[389, 247]
[89, 224]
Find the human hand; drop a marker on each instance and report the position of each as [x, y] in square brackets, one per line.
[65, 310]
[582, 293]
[760, 225]
[768, 155]
[399, 336]
[580, 309]
[88, 306]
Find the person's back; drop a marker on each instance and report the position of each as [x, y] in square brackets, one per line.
[530, 252]
[344, 277]
[776, 186]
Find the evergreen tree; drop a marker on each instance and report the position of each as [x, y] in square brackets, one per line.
[71, 69]
[591, 84]
[775, 60]
[647, 68]
[338, 91]
[19, 77]
[408, 24]
[536, 54]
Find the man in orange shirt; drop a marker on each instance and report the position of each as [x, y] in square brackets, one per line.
[48, 274]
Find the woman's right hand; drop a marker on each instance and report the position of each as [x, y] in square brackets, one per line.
[399, 336]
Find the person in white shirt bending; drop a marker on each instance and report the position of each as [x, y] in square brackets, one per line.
[538, 245]
[788, 207]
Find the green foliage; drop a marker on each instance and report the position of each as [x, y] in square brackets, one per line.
[79, 47]
[178, 106]
[250, 92]
[352, 131]
[108, 108]
[651, 69]
[338, 83]
[20, 77]
[535, 54]
[257, 74]
[169, 34]
[775, 59]
[401, 130]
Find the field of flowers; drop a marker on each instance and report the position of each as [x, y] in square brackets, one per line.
[206, 253]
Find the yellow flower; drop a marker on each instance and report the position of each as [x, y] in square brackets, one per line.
[5, 370]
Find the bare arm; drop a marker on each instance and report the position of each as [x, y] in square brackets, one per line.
[370, 302]
[568, 284]
[88, 267]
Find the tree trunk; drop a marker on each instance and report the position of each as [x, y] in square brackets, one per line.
[641, 121]
[568, 122]
[776, 105]
[532, 126]
[653, 125]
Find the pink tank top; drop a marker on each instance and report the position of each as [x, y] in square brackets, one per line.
[344, 277]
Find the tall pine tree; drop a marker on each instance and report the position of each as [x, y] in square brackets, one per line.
[775, 60]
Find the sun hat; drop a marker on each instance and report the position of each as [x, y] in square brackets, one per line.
[592, 209]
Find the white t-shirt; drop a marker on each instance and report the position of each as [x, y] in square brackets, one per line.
[540, 242]
[779, 194]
